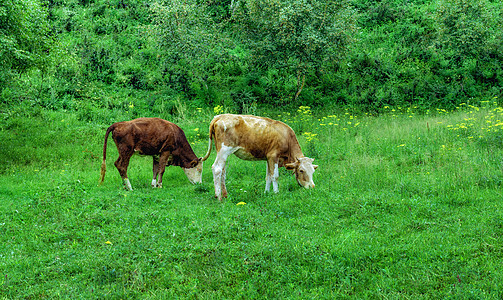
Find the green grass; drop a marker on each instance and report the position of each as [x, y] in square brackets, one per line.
[406, 206]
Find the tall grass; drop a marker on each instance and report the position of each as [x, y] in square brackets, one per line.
[406, 205]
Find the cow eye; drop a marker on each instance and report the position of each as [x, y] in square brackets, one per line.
[301, 171]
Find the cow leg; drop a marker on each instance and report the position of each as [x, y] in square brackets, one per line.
[155, 170]
[224, 189]
[272, 175]
[268, 179]
[218, 169]
[122, 164]
[163, 160]
[275, 177]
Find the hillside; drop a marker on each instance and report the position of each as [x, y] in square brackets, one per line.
[90, 55]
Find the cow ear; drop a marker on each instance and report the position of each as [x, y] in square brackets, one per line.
[315, 166]
[291, 166]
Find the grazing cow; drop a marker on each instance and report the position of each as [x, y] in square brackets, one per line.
[163, 140]
[257, 138]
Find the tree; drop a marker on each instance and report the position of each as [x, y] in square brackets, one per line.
[25, 39]
[465, 26]
[185, 31]
[299, 35]
[193, 45]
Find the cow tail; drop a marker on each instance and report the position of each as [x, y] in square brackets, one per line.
[103, 164]
[211, 135]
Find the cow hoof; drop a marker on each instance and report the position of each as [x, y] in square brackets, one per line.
[127, 184]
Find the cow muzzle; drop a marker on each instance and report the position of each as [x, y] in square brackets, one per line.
[310, 185]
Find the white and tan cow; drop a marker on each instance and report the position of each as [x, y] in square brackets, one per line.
[257, 138]
[161, 139]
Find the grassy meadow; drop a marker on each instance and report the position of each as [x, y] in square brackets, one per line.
[407, 205]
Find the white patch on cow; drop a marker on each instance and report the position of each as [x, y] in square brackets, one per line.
[268, 180]
[275, 177]
[304, 172]
[154, 183]
[272, 178]
[195, 174]
[227, 122]
[127, 184]
[218, 169]
[225, 152]
[255, 123]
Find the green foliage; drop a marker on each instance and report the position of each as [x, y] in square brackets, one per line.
[71, 54]
[294, 38]
[433, 55]
[303, 33]
[194, 50]
[25, 40]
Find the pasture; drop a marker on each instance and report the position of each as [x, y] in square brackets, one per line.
[407, 205]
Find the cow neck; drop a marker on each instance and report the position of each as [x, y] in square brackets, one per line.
[295, 151]
[185, 153]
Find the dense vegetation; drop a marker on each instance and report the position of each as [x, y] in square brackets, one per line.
[86, 55]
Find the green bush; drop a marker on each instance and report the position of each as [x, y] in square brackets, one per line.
[243, 55]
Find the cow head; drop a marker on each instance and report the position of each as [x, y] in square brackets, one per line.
[195, 172]
[303, 169]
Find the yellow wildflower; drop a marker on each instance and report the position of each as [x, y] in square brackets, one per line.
[218, 109]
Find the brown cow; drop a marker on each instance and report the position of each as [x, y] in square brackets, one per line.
[163, 140]
[257, 138]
